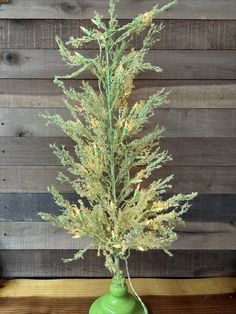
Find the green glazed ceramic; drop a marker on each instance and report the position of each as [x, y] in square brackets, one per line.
[117, 301]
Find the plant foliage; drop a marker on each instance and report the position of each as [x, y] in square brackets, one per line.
[115, 161]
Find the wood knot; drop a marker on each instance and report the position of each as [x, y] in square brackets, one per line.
[11, 58]
[67, 7]
[4, 1]
[22, 133]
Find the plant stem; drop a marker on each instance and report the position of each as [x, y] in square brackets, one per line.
[117, 264]
[110, 117]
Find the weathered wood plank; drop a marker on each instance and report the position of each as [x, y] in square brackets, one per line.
[184, 93]
[58, 9]
[201, 151]
[195, 122]
[212, 208]
[178, 34]
[177, 64]
[185, 264]
[29, 179]
[42, 235]
[205, 180]
[24, 151]
[26, 122]
[25, 207]
[37, 235]
[64, 288]
[225, 303]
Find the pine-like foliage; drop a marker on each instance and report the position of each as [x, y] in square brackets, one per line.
[114, 159]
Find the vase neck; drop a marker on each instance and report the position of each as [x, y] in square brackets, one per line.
[118, 287]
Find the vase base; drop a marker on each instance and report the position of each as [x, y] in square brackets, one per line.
[118, 300]
[125, 305]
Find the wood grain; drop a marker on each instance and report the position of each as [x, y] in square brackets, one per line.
[42, 235]
[84, 9]
[177, 34]
[184, 93]
[169, 305]
[196, 52]
[177, 64]
[200, 151]
[25, 207]
[169, 296]
[24, 151]
[185, 264]
[204, 180]
[63, 288]
[37, 235]
[26, 122]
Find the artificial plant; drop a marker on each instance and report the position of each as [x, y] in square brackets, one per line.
[115, 161]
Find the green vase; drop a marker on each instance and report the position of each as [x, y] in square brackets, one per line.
[117, 301]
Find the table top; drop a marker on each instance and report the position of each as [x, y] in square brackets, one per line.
[162, 296]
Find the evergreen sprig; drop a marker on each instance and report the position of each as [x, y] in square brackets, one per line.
[113, 154]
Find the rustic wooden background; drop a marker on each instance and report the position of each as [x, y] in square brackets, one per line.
[197, 53]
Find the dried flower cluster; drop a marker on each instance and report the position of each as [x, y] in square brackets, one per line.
[113, 157]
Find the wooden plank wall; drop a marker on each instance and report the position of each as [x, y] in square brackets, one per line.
[197, 53]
